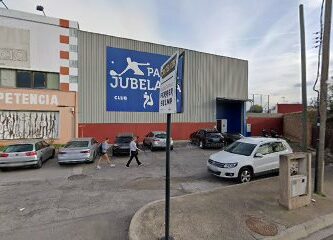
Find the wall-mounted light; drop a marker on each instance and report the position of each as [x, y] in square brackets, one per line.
[40, 8]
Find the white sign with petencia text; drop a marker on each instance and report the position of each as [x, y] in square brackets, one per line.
[28, 98]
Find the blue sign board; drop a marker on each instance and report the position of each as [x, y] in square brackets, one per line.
[133, 80]
[180, 80]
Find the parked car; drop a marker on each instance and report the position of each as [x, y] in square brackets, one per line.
[121, 145]
[156, 140]
[231, 137]
[205, 138]
[78, 150]
[26, 153]
[248, 157]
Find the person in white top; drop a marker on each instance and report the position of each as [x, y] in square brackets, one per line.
[133, 153]
[103, 154]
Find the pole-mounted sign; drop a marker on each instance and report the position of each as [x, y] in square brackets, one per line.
[168, 104]
[168, 85]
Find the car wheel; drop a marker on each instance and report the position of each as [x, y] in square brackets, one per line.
[151, 148]
[245, 175]
[201, 145]
[39, 164]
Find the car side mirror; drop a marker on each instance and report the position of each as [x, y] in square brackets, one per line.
[258, 155]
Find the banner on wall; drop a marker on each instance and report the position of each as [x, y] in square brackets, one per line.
[30, 124]
[133, 80]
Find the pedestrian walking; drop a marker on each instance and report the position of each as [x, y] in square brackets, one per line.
[133, 152]
[103, 155]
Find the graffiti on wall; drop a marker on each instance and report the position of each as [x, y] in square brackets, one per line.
[19, 125]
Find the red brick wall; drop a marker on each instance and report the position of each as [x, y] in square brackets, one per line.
[180, 131]
[289, 108]
[261, 122]
[292, 125]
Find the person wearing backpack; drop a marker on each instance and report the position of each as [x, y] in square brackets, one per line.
[102, 149]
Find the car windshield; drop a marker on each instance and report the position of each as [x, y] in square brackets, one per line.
[161, 135]
[77, 144]
[241, 148]
[124, 139]
[19, 148]
[214, 134]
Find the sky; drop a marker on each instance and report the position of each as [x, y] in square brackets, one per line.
[264, 32]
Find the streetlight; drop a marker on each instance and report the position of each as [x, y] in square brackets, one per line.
[40, 8]
[3, 4]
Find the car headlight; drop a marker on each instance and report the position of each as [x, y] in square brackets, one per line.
[115, 145]
[230, 165]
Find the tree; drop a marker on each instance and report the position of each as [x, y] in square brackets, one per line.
[256, 109]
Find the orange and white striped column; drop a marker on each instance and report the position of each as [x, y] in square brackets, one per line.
[68, 55]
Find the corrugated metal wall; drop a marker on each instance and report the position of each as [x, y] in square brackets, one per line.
[206, 77]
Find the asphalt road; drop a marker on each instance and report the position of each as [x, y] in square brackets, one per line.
[80, 202]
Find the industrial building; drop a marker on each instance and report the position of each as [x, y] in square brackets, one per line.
[103, 85]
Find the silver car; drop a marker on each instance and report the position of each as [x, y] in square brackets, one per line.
[78, 150]
[156, 139]
[26, 153]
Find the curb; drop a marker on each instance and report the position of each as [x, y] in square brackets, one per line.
[134, 221]
[305, 229]
[296, 232]
[134, 224]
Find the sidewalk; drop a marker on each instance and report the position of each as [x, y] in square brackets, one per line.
[230, 213]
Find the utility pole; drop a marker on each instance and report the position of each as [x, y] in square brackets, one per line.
[269, 111]
[304, 95]
[323, 96]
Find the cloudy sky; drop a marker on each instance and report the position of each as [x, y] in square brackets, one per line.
[264, 32]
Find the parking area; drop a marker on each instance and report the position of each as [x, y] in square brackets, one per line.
[80, 202]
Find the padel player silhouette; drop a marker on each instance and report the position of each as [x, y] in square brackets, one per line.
[134, 66]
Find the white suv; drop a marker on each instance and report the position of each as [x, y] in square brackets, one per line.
[248, 157]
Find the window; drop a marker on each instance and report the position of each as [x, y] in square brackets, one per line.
[23, 79]
[7, 78]
[241, 148]
[77, 144]
[278, 147]
[265, 149]
[52, 81]
[45, 144]
[39, 80]
[19, 148]
[39, 146]
[30, 79]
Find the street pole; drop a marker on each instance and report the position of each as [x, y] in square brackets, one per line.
[323, 95]
[167, 182]
[304, 95]
[268, 111]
